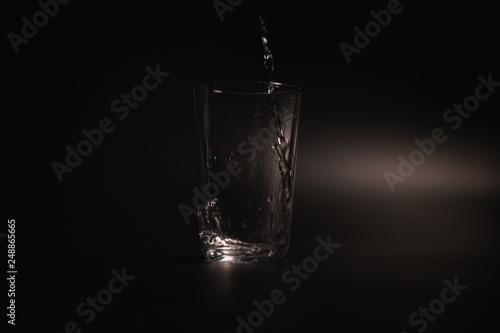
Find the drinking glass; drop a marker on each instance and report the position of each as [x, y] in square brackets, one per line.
[246, 140]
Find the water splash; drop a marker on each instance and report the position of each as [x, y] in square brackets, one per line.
[281, 145]
[274, 212]
[268, 56]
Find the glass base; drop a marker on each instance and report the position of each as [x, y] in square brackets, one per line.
[244, 253]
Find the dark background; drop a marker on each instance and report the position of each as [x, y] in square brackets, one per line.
[119, 208]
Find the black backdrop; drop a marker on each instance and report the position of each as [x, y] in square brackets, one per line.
[119, 206]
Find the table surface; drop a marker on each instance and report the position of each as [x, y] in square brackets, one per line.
[386, 267]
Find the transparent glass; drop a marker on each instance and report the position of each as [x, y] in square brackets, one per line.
[246, 152]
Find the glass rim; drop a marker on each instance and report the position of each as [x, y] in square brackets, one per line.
[235, 87]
